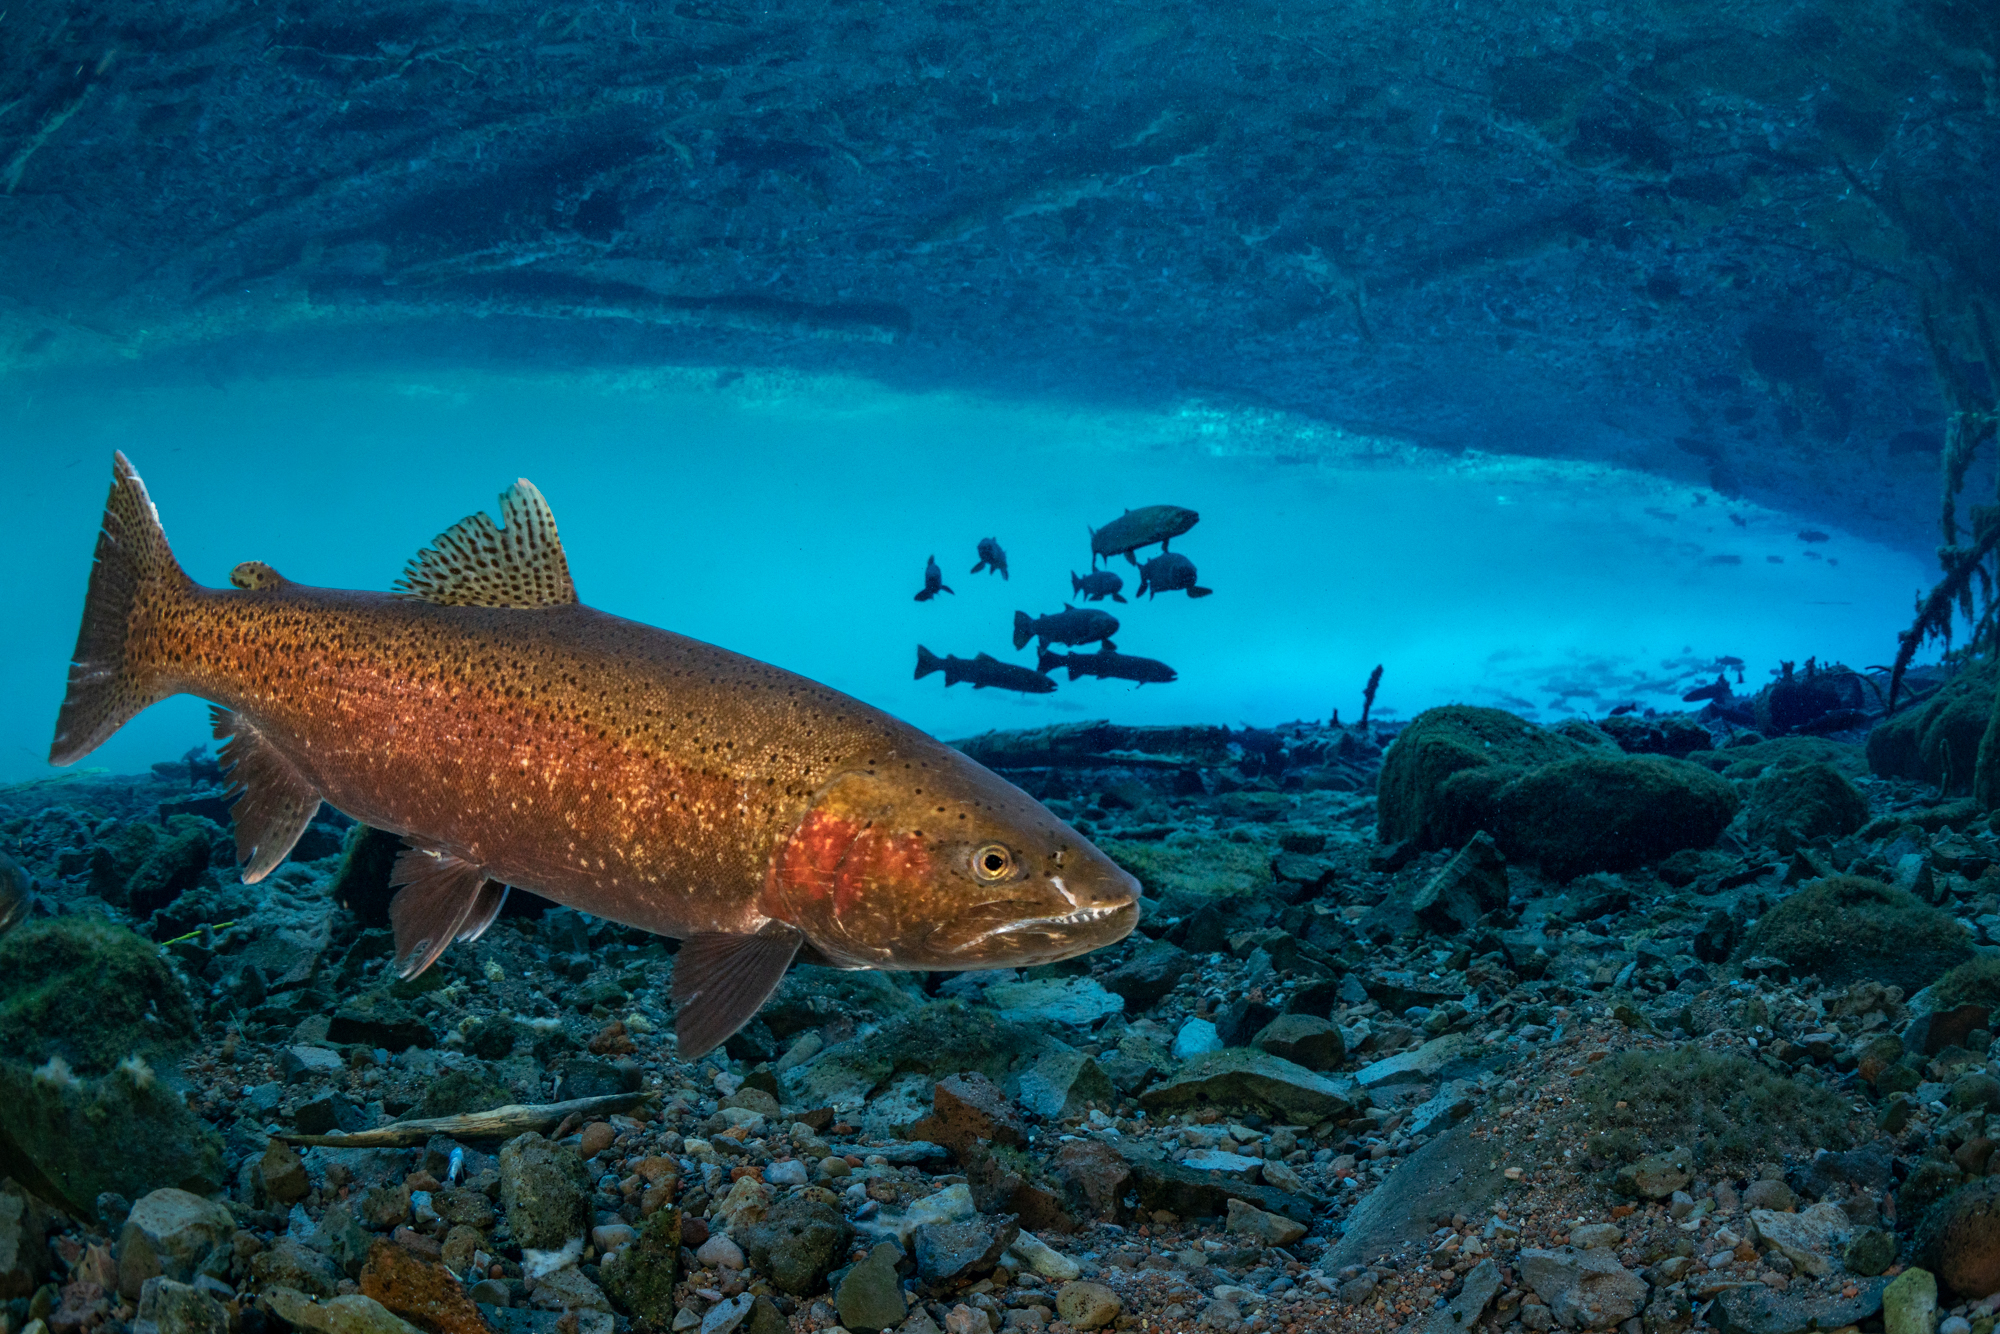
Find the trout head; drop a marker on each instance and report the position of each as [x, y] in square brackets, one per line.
[934, 862]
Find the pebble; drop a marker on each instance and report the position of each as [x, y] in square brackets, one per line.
[726, 1316]
[791, 1172]
[597, 1137]
[1196, 1037]
[719, 1252]
[1088, 1305]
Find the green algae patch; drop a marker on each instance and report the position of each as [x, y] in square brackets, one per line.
[1439, 778]
[1785, 752]
[1731, 1110]
[91, 993]
[1846, 929]
[1184, 873]
[1974, 982]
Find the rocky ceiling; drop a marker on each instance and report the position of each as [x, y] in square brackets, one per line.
[1692, 236]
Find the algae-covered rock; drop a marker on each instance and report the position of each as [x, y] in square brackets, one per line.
[1789, 752]
[640, 1278]
[1247, 1078]
[944, 1037]
[361, 882]
[175, 864]
[1793, 805]
[1673, 735]
[1938, 741]
[1720, 1108]
[1602, 812]
[461, 1090]
[1847, 929]
[1188, 870]
[69, 1141]
[545, 1191]
[89, 992]
[1439, 777]
[810, 995]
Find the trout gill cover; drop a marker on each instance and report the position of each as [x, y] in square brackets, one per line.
[513, 736]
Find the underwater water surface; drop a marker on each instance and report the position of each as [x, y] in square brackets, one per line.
[790, 519]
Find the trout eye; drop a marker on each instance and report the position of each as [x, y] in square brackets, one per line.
[992, 862]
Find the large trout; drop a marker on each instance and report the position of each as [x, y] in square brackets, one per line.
[513, 736]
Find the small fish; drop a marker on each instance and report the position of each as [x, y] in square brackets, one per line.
[933, 581]
[1097, 586]
[1140, 528]
[1167, 573]
[1071, 625]
[1727, 661]
[984, 670]
[1108, 664]
[1623, 709]
[1814, 535]
[622, 770]
[991, 557]
[17, 893]
[1718, 692]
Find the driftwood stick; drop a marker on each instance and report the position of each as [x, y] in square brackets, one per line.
[500, 1123]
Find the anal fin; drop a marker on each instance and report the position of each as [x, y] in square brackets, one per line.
[277, 802]
[437, 896]
[485, 911]
[721, 981]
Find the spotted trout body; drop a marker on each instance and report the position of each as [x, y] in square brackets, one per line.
[516, 737]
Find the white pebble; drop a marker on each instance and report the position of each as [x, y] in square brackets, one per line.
[608, 1237]
[792, 1172]
[728, 1315]
[1196, 1037]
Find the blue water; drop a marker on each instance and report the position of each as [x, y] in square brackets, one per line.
[789, 518]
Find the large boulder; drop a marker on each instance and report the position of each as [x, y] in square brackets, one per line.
[91, 993]
[1847, 929]
[1601, 812]
[1791, 806]
[69, 1140]
[1958, 1239]
[169, 1232]
[1439, 777]
[1937, 742]
[1243, 1077]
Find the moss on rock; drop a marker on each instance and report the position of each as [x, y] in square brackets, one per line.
[1846, 929]
[90, 992]
[1730, 1110]
[1958, 1239]
[1790, 752]
[1938, 741]
[1974, 982]
[1794, 805]
[69, 1141]
[1601, 812]
[1184, 872]
[1439, 778]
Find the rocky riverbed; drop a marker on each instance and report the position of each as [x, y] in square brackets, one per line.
[1648, 1024]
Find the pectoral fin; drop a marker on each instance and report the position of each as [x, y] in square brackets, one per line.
[277, 802]
[721, 981]
[440, 899]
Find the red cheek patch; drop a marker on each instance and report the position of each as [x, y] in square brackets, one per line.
[834, 864]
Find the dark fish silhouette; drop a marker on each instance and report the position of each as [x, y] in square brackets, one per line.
[517, 737]
[1097, 586]
[1719, 691]
[17, 893]
[1071, 625]
[991, 557]
[1813, 535]
[933, 581]
[1169, 572]
[984, 670]
[1108, 664]
[1140, 528]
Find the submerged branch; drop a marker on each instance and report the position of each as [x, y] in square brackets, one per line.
[500, 1123]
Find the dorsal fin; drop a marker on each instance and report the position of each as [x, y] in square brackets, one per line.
[256, 574]
[478, 563]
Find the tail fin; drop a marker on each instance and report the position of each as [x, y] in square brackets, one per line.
[1075, 584]
[927, 662]
[135, 572]
[1023, 629]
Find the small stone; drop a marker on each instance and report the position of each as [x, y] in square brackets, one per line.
[168, 1232]
[1583, 1289]
[1869, 1252]
[640, 1278]
[1655, 1177]
[724, 1317]
[1305, 1039]
[283, 1174]
[1045, 1259]
[176, 1308]
[608, 1237]
[546, 1192]
[491, 1292]
[287, 1264]
[421, 1291]
[1087, 1305]
[1909, 1303]
[962, 1250]
[568, 1289]
[719, 1252]
[797, 1243]
[1270, 1229]
[1770, 1194]
[870, 1298]
[1810, 1240]
[597, 1137]
[305, 1065]
[963, 1319]
[791, 1172]
[1196, 1037]
[1588, 1236]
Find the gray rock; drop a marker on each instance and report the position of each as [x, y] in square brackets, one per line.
[1192, 1193]
[303, 1065]
[965, 1249]
[1246, 1220]
[797, 1243]
[568, 1290]
[870, 1297]
[1305, 1039]
[1583, 1289]
[1087, 1305]
[289, 1264]
[1415, 1067]
[1076, 1001]
[24, 1253]
[1470, 885]
[1246, 1077]
[1062, 1083]
[328, 1112]
[1462, 1312]
[1770, 1194]
[1452, 1174]
[545, 1191]
[1869, 1252]
[175, 1308]
[1154, 969]
[1756, 1309]
[169, 1232]
[1657, 1176]
[1811, 1240]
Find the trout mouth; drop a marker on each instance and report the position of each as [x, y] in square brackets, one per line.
[1028, 930]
